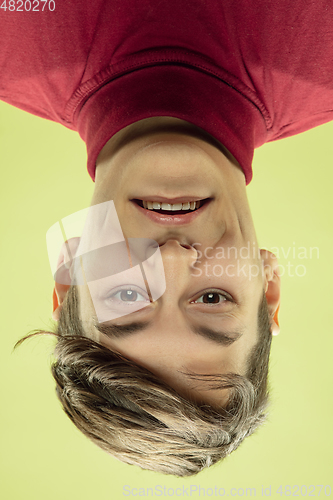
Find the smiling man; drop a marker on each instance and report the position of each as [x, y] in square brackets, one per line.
[171, 99]
[204, 343]
[206, 320]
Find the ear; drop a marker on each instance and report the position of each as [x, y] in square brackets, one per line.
[66, 256]
[272, 287]
[59, 294]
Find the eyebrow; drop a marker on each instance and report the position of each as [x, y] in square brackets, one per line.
[120, 331]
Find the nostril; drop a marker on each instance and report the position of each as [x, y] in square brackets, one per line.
[184, 245]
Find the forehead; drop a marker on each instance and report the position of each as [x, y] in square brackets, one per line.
[173, 361]
[173, 358]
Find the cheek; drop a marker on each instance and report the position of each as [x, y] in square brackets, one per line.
[86, 306]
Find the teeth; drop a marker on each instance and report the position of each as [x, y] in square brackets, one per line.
[176, 206]
[155, 205]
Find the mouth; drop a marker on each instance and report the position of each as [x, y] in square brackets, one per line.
[176, 211]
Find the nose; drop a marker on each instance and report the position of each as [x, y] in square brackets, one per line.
[172, 243]
[178, 261]
[173, 248]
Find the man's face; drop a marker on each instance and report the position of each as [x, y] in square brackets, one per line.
[206, 320]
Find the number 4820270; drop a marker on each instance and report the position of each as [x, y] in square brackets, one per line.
[28, 5]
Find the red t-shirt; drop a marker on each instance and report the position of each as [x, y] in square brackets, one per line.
[246, 71]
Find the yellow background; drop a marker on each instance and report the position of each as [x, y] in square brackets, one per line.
[43, 456]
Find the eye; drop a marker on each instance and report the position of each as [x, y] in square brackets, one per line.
[212, 297]
[127, 296]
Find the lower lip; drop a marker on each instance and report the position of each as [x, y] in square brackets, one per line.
[172, 220]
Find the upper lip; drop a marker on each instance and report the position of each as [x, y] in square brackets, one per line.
[171, 201]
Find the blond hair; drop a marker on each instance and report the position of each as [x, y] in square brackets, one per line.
[137, 418]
